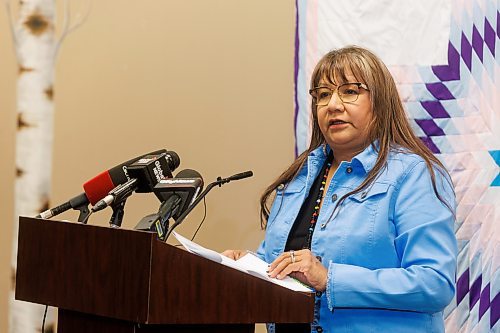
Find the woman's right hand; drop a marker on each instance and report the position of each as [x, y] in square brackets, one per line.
[234, 254]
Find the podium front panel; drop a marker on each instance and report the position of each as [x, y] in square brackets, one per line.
[129, 275]
[85, 268]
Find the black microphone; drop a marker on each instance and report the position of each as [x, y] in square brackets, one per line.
[96, 188]
[175, 194]
[237, 176]
[220, 181]
[144, 174]
[186, 185]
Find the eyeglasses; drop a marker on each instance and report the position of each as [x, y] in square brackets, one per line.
[347, 92]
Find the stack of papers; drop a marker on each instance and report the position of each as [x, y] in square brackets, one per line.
[249, 263]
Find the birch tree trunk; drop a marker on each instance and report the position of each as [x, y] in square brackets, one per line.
[34, 39]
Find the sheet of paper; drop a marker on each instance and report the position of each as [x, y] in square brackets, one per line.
[249, 263]
[207, 253]
[257, 267]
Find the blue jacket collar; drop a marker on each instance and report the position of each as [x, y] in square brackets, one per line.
[366, 159]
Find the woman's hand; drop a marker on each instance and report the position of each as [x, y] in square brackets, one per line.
[301, 265]
[234, 254]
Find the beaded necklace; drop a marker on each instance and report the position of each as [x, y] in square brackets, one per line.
[315, 214]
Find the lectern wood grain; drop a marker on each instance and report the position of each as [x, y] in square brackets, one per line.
[129, 276]
[85, 268]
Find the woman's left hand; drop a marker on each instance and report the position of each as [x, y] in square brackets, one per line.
[301, 265]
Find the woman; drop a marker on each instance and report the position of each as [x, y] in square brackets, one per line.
[364, 216]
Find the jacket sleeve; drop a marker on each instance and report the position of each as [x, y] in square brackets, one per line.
[260, 251]
[425, 243]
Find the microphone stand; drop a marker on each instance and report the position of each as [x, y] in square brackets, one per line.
[118, 211]
[220, 181]
[120, 195]
[84, 213]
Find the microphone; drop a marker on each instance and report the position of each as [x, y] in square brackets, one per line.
[176, 195]
[186, 185]
[220, 181]
[144, 174]
[237, 176]
[97, 187]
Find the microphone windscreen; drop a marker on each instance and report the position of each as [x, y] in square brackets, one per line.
[188, 173]
[173, 160]
[98, 187]
[187, 184]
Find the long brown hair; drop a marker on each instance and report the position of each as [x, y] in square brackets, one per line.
[389, 126]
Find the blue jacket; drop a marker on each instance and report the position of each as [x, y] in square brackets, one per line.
[390, 250]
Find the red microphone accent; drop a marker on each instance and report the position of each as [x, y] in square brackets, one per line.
[98, 187]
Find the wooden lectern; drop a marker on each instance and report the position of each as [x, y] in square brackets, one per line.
[126, 281]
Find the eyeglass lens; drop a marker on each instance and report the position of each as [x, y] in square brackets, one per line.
[347, 92]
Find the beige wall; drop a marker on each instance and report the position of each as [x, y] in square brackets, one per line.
[211, 80]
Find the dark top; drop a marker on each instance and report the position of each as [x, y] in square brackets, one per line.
[297, 239]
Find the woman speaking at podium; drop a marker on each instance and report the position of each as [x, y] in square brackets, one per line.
[365, 215]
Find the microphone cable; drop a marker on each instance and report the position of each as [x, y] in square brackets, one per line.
[220, 181]
[203, 219]
[199, 226]
[44, 316]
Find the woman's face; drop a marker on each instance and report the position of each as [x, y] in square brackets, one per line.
[345, 125]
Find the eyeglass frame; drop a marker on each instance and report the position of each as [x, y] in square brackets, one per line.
[359, 84]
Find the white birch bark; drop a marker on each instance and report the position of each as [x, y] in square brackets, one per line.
[34, 38]
[36, 49]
